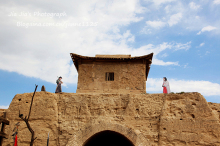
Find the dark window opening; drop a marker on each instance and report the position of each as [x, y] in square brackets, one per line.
[109, 76]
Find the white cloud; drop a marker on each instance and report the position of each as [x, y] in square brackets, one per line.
[164, 55]
[146, 30]
[202, 44]
[185, 66]
[180, 46]
[156, 24]
[165, 46]
[197, 17]
[44, 51]
[52, 62]
[216, 2]
[207, 28]
[194, 6]
[180, 14]
[206, 88]
[174, 19]
[160, 62]
[207, 52]
[4, 106]
[167, 8]
[158, 2]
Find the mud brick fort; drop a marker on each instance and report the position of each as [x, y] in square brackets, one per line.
[112, 108]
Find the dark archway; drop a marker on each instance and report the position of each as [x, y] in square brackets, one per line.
[108, 138]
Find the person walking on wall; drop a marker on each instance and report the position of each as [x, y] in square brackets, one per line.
[58, 88]
[166, 86]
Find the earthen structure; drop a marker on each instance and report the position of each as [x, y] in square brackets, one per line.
[127, 116]
[73, 119]
[112, 73]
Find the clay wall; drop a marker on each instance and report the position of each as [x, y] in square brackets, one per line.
[128, 77]
[2, 112]
[144, 119]
[43, 119]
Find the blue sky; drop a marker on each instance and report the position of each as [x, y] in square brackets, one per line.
[37, 37]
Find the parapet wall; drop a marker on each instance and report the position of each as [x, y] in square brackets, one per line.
[144, 119]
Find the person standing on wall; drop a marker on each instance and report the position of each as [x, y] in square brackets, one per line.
[166, 86]
[58, 88]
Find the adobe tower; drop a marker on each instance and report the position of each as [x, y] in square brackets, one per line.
[112, 73]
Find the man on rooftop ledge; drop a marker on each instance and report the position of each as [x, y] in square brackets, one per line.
[59, 88]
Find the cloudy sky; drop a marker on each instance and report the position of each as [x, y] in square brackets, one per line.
[37, 38]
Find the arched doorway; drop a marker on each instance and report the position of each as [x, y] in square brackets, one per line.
[108, 138]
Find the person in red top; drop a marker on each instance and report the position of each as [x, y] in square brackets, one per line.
[166, 86]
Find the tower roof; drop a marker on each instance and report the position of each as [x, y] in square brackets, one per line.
[147, 59]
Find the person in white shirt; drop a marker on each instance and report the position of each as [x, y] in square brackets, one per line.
[166, 86]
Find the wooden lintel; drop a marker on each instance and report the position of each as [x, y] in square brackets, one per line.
[80, 61]
[3, 120]
[2, 134]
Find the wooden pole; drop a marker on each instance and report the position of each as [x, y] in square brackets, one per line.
[27, 118]
[4, 123]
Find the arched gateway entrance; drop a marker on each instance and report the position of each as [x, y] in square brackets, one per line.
[108, 138]
[107, 134]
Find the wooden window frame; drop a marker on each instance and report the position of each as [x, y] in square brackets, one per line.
[109, 76]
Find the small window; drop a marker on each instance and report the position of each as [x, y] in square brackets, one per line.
[109, 76]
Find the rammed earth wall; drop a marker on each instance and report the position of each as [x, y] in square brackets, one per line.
[144, 119]
[129, 77]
